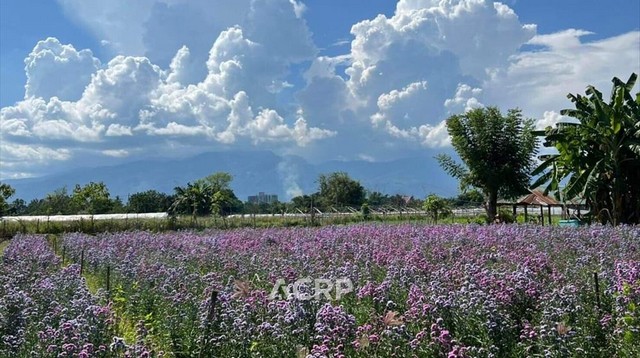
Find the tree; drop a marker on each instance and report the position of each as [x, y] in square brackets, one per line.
[150, 201]
[192, 199]
[117, 206]
[304, 203]
[223, 203]
[598, 156]
[217, 181]
[468, 198]
[57, 202]
[376, 198]
[198, 197]
[497, 152]
[6, 191]
[436, 207]
[92, 198]
[338, 189]
[18, 207]
[276, 207]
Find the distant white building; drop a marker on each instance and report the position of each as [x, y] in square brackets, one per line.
[262, 198]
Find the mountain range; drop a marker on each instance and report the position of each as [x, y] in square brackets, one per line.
[253, 172]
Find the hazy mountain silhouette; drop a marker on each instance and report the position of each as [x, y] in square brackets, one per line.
[253, 172]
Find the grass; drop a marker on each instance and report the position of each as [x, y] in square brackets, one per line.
[3, 246]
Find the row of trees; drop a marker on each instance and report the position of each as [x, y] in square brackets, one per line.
[595, 157]
[92, 198]
[202, 197]
[213, 196]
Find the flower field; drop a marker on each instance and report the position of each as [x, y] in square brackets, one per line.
[418, 291]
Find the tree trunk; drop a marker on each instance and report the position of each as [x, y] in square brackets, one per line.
[492, 205]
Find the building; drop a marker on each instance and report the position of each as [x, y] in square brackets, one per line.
[262, 198]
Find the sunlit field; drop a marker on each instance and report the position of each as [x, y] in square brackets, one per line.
[417, 291]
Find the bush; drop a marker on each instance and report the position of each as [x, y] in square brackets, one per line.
[506, 217]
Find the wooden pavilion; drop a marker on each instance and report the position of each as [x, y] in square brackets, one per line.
[536, 199]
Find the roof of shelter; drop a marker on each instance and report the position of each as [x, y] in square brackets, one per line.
[536, 197]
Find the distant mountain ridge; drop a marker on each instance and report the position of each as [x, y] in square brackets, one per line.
[253, 172]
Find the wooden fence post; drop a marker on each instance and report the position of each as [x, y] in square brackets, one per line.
[209, 323]
[81, 262]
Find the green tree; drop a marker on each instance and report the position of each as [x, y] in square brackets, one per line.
[93, 198]
[304, 203]
[376, 198]
[338, 189]
[497, 151]
[223, 203]
[117, 206]
[197, 198]
[150, 201]
[436, 207]
[57, 202]
[468, 198]
[217, 182]
[365, 211]
[598, 157]
[6, 191]
[276, 208]
[18, 207]
[191, 199]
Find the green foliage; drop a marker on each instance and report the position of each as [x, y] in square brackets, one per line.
[497, 151]
[338, 189]
[304, 203]
[217, 182]
[206, 196]
[191, 199]
[224, 202]
[150, 201]
[92, 198]
[469, 198]
[506, 216]
[376, 198]
[365, 211]
[599, 155]
[436, 207]
[57, 202]
[6, 191]
[18, 207]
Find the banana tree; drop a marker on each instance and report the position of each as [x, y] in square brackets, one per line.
[194, 196]
[598, 156]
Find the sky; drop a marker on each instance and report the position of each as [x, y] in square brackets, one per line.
[88, 82]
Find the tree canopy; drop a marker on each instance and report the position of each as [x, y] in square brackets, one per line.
[497, 151]
[208, 195]
[150, 201]
[6, 191]
[93, 198]
[436, 207]
[338, 190]
[598, 156]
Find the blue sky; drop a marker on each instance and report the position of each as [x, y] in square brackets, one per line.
[110, 81]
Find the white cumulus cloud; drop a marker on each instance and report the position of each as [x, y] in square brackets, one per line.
[56, 70]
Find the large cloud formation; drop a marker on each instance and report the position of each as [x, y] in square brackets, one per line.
[198, 75]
